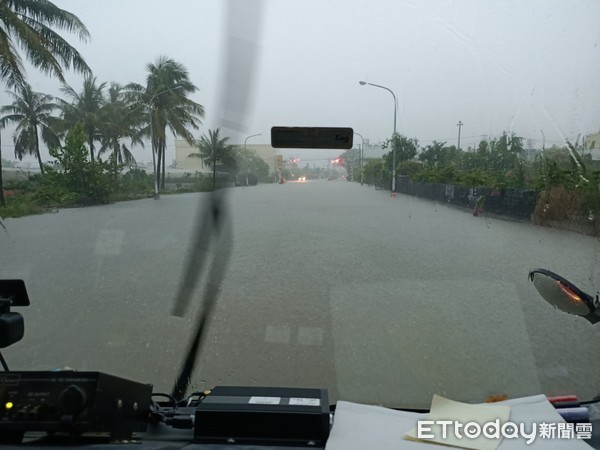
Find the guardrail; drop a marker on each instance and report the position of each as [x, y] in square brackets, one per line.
[516, 203]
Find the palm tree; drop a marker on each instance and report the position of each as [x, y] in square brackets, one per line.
[32, 113]
[165, 95]
[119, 120]
[214, 149]
[2, 201]
[29, 24]
[85, 108]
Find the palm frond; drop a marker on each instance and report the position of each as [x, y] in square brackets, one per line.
[44, 11]
[31, 24]
[11, 67]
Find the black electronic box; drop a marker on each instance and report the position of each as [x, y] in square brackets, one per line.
[264, 416]
[72, 402]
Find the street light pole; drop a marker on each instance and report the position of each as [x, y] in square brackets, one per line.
[362, 83]
[245, 156]
[362, 149]
[459, 125]
[151, 109]
[156, 194]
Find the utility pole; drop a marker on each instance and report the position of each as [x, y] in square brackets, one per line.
[459, 125]
[362, 149]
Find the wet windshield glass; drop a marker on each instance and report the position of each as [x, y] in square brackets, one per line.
[385, 273]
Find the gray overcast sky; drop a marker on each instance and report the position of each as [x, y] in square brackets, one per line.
[495, 65]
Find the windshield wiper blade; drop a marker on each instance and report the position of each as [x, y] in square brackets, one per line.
[214, 227]
[209, 221]
[243, 23]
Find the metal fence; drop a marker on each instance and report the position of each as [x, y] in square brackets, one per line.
[517, 203]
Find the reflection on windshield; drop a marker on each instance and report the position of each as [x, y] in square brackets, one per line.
[387, 272]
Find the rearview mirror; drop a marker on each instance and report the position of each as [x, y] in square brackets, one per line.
[564, 295]
[312, 137]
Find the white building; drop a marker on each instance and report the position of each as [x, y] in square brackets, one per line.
[592, 144]
[184, 162]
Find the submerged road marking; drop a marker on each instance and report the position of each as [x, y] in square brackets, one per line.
[310, 336]
[277, 334]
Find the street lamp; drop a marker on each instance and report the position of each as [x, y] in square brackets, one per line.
[362, 149]
[245, 156]
[363, 83]
[151, 109]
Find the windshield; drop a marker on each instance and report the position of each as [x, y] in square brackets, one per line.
[386, 273]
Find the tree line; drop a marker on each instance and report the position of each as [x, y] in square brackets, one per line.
[111, 117]
[557, 173]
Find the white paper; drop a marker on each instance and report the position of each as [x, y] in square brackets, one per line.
[359, 426]
[464, 413]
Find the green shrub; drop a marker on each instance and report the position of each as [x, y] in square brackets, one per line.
[20, 205]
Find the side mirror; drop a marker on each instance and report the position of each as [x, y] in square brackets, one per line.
[564, 295]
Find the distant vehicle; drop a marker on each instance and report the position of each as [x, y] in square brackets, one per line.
[331, 178]
[301, 178]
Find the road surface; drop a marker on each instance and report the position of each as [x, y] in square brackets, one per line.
[330, 284]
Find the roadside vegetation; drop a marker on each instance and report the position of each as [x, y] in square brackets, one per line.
[566, 179]
[90, 130]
